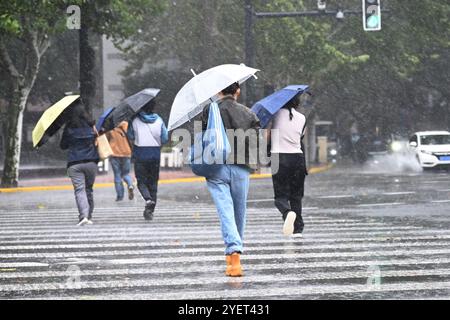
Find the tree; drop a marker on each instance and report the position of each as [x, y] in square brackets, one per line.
[27, 27]
[380, 81]
[24, 26]
[407, 61]
[201, 34]
[114, 18]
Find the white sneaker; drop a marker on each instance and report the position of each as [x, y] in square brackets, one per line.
[297, 236]
[288, 227]
[83, 222]
[90, 222]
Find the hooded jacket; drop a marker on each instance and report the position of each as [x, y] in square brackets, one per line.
[148, 133]
[81, 145]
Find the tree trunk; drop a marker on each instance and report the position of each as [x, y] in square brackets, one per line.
[87, 68]
[10, 178]
[21, 85]
[207, 52]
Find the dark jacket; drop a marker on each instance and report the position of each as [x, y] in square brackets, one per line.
[81, 145]
[237, 116]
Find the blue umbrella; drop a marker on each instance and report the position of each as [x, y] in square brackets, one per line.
[266, 108]
[102, 118]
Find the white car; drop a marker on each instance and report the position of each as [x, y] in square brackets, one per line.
[432, 148]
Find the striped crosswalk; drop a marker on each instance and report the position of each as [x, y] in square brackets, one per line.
[179, 255]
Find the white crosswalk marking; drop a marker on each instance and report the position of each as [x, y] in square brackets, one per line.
[179, 255]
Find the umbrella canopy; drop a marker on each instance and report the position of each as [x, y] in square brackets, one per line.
[128, 108]
[52, 120]
[102, 118]
[267, 107]
[200, 90]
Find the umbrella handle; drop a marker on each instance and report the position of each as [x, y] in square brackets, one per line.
[95, 130]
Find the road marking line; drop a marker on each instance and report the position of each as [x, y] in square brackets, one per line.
[190, 258]
[335, 197]
[55, 286]
[145, 229]
[251, 224]
[305, 240]
[5, 265]
[397, 193]
[172, 236]
[189, 251]
[199, 268]
[252, 246]
[380, 204]
[319, 290]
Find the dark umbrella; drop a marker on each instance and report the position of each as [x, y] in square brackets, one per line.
[266, 108]
[128, 108]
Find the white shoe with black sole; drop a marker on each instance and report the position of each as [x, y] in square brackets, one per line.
[288, 227]
[83, 222]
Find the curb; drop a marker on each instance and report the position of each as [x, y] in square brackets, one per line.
[164, 181]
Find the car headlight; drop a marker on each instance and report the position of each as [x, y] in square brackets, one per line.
[427, 152]
[396, 146]
[333, 152]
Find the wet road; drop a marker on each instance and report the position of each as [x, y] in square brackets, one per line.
[367, 236]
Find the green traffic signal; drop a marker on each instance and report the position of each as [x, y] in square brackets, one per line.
[372, 15]
[373, 22]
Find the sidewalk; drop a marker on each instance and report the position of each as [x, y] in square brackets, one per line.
[184, 175]
[100, 179]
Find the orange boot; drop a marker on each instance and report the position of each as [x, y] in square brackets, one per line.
[228, 259]
[236, 268]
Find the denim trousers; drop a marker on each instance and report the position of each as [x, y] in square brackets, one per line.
[121, 168]
[229, 188]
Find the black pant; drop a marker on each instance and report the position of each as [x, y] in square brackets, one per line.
[289, 185]
[147, 176]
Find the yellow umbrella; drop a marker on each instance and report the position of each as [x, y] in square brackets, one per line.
[47, 123]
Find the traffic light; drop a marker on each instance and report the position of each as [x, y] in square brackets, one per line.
[372, 15]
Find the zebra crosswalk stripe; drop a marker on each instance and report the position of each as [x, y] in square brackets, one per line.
[179, 255]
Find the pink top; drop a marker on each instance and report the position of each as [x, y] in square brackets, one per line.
[286, 134]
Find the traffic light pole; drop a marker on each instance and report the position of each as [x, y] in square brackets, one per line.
[251, 17]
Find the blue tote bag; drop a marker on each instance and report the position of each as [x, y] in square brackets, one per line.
[211, 147]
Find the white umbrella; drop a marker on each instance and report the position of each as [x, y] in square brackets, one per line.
[203, 88]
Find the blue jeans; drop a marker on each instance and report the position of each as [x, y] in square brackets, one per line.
[229, 189]
[121, 168]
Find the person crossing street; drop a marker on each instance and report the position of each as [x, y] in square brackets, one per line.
[148, 133]
[286, 132]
